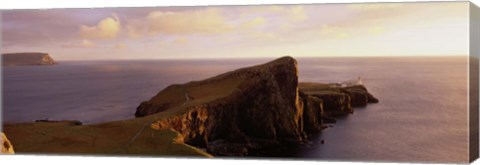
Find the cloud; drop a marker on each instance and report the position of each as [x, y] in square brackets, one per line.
[374, 6]
[37, 27]
[87, 43]
[120, 46]
[230, 28]
[205, 21]
[132, 32]
[253, 23]
[333, 31]
[342, 35]
[285, 26]
[376, 30]
[180, 40]
[265, 36]
[215, 21]
[266, 9]
[107, 28]
[83, 44]
[297, 14]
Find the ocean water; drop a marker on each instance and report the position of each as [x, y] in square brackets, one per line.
[421, 117]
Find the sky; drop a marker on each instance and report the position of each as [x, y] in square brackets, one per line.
[362, 29]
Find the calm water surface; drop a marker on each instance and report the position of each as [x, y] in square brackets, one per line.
[421, 117]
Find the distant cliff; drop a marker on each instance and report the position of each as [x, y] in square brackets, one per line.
[15, 59]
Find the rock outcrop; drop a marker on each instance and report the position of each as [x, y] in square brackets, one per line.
[256, 111]
[313, 113]
[15, 59]
[69, 122]
[6, 146]
[250, 109]
[338, 100]
[259, 102]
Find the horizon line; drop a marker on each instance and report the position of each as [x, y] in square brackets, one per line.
[267, 57]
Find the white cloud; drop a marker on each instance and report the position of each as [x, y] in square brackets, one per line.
[253, 23]
[107, 28]
[334, 31]
[296, 14]
[374, 6]
[206, 21]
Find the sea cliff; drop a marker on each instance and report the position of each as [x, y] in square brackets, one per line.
[243, 111]
[252, 111]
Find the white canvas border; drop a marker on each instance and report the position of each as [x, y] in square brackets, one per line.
[73, 160]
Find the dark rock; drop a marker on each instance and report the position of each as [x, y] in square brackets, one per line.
[371, 98]
[358, 98]
[251, 110]
[70, 122]
[335, 103]
[329, 120]
[313, 113]
[360, 95]
[338, 100]
[263, 104]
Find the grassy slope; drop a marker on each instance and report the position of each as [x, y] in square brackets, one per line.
[105, 139]
[317, 88]
[112, 138]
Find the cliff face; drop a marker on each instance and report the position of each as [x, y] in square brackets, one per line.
[313, 113]
[255, 111]
[338, 100]
[259, 102]
[6, 146]
[14, 59]
[245, 110]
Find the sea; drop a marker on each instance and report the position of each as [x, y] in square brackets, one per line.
[421, 117]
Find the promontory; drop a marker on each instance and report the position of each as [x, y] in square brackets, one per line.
[30, 58]
[253, 111]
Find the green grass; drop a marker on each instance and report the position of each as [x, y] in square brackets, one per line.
[112, 138]
[318, 88]
[109, 138]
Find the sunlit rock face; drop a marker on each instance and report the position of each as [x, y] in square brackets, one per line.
[17, 59]
[6, 146]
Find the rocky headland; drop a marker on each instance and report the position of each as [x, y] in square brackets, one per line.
[252, 111]
[16, 59]
[244, 111]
